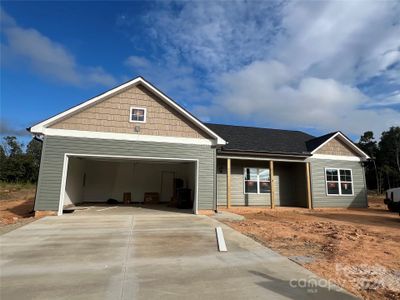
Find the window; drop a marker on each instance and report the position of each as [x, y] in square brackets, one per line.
[138, 114]
[339, 181]
[256, 181]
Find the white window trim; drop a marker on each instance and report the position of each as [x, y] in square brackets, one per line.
[339, 182]
[130, 114]
[258, 181]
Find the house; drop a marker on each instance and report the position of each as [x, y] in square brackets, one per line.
[133, 140]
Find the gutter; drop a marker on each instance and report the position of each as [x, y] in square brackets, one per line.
[249, 152]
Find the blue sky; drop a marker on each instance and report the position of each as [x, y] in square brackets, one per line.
[312, 66]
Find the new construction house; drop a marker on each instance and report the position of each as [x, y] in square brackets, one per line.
[136, 145]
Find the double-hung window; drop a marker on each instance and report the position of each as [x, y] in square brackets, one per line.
[256, 181]
[338, 181]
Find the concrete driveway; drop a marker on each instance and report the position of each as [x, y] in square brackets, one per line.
[145, 256]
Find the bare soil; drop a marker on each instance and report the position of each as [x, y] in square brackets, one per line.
[358, 249]
[16, 206]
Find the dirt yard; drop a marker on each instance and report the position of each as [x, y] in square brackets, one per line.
[16, 205]
[358, 249]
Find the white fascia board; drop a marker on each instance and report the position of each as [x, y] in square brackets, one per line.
[39, 128]
[348, 142]
[126, 136]
[337, 157]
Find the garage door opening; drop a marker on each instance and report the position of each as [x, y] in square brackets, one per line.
[151, 182]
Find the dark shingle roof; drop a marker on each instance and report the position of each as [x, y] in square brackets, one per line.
[262, 140]
[315, 143]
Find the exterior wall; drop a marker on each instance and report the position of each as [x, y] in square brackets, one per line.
[318, 184]
[336, 147]
[54, 148]
[112, 115]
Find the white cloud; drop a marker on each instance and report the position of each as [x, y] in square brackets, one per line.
[135, 61]
[170, 75]
[215, 36]
[47, 57]
[311, 102]
[341, 40]
[291, 64]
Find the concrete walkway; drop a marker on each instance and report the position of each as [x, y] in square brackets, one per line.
[145, 256]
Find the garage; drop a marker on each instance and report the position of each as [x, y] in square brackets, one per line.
[131, 144]
[158, 182]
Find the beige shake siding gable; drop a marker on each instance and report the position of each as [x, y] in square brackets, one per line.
[336, 147]
[112, 115]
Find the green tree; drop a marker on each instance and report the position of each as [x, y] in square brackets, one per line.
[3, 159]
[17, 165]
[389, 155]
[370, 146]
[383, 169]
[11, 146]
[32, 160]
[13, 169]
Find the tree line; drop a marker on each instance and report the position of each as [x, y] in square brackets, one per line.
[18, 165]
[382, 171]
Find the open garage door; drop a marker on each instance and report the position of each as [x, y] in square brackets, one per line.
[157, 182]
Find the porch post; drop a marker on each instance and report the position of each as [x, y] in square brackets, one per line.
[309, 202]
[228, 182]
[271, 176]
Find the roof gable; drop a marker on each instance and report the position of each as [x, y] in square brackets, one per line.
[113, 114]
[337, 147]
[344, 146]
[41, 127]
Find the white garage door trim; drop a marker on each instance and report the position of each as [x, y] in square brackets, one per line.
[68, 155]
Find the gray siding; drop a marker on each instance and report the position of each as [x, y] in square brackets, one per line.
[54, 148]
[318, 186]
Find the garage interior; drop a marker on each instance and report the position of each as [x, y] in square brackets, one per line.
[163, 184]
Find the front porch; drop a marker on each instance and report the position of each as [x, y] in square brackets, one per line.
[249, 181]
